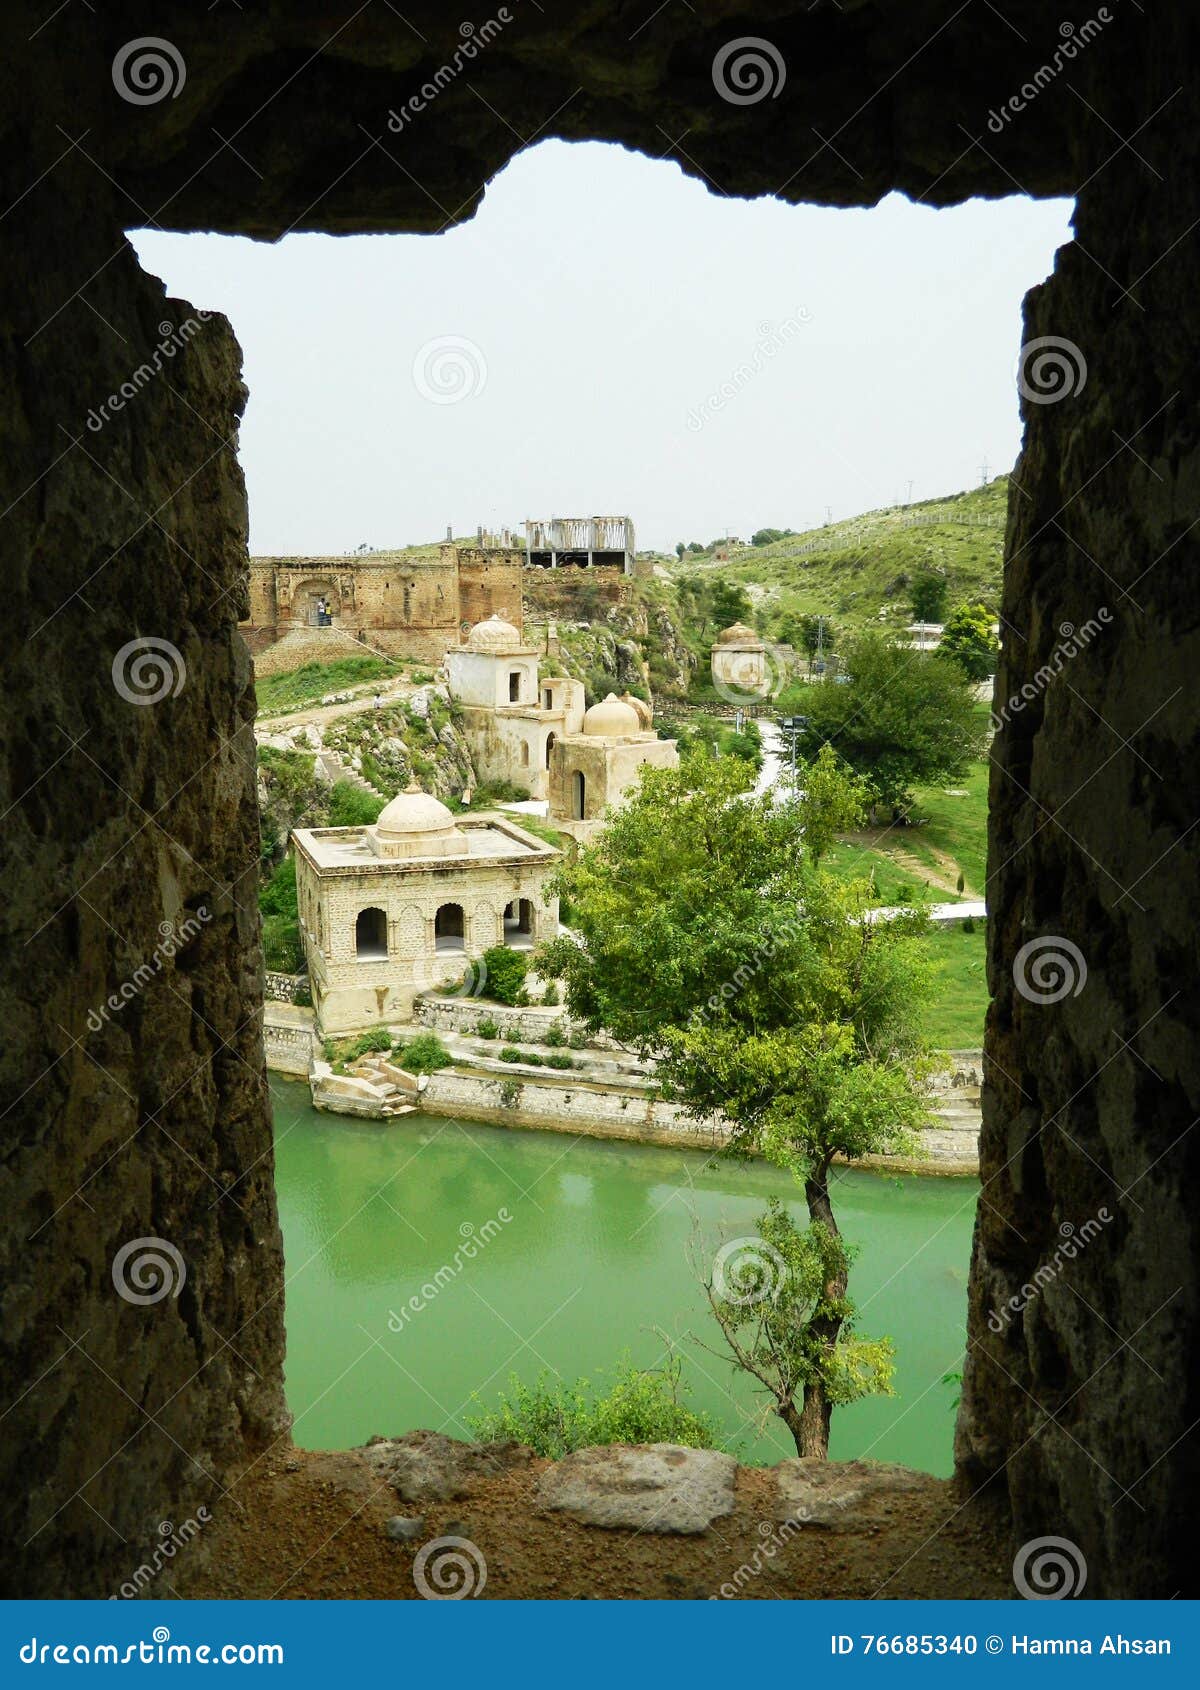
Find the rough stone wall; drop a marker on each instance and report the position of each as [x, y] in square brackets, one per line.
[1086, 1401]
[489, 584]
[128, 855]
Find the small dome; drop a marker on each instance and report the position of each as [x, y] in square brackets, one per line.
[414, 811]
[611, 719]
[738, 634]
[494, 635]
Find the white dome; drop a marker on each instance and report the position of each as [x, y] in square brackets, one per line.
[611, 719]
[414, 811]
[494, 635]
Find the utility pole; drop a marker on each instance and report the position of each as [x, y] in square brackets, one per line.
[983, 473]
[828, 515]
[908, 501]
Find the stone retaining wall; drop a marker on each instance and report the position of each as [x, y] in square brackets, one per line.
[284, 988]
[288, 1039]
[518, 1102]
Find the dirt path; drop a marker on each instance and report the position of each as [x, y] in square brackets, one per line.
[311, 1524]
[390, 692]
[942, 874]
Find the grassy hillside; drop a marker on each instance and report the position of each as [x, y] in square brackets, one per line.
[852, 569]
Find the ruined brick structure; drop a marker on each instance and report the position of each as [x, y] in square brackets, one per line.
[396, 602]
[1081, 1412]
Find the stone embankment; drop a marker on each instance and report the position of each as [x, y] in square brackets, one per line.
[608, 1093]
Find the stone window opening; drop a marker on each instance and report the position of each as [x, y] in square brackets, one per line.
[550, 739]
[579, 796]
[514, 687]
[450, 928]
[370, 935]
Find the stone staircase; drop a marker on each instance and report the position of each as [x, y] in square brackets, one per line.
[333, 769]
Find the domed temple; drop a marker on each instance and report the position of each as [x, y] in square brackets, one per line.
[397, 908]
[594, 768]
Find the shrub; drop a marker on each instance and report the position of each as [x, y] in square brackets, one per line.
[577, 1038]
[968, 925]
[550, 996]
[555, 1037]
[510, 1091]
[511, 1054]
[424, 1054]
[278, 896]
[487, 1028]
[374, 1039]
[350, 806]
[553, 1418]
[283, 950]
[505, 974]
[560, 1059]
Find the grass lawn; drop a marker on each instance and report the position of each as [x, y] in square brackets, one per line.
[893, 883]
[955, 1017]
[308, 684]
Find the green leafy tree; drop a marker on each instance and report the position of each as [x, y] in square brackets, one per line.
[776, 1315]
[928, 596]
[904, 718]
[710, 936]
[680, 549]
[729, 603]
[814, 631]
[768, 536]
[968, 640]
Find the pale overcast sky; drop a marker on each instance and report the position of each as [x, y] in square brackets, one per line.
[561, 354]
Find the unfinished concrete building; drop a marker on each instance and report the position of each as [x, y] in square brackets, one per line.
[1079, 1417]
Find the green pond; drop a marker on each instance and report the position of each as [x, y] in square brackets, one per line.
[583, 1249]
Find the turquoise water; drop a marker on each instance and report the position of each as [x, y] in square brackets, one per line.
[601, 1252]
